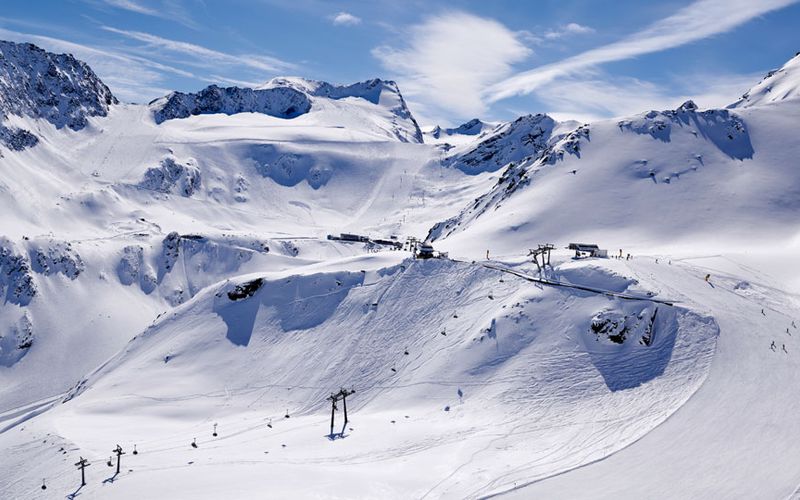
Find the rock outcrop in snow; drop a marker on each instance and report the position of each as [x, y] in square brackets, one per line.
[17, 139]
[172, 176]
[54, 87]
[16, 277]
[777, 85]
[16, 340]
[52, 257]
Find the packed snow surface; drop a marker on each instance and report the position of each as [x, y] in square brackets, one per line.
[169, 286]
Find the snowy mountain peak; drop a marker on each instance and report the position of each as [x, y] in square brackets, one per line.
[473, 127]
[42, 85]
[525, 137]
[777, 85]
[383, 93]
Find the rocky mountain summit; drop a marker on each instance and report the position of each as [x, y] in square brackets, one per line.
[55, 87]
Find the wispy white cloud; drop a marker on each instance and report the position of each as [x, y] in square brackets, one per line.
[132, 6]
[568, 29]
[205, 57]
[451, 58]
[345, 19]
[699, 20]
[171, 10]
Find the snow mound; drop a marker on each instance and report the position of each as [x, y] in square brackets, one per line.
[778, 85]
[15, 338]
[289, 168]
[723, 128]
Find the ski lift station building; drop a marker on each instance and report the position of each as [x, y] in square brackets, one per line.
[587, 250]
[425, 251]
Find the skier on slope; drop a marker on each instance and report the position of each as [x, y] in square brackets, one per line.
[772, 346]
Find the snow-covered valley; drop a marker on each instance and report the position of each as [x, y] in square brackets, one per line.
[168, 274]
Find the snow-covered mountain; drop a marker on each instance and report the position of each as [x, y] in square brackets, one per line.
[168, 279]
[778, 85]
[657, 171]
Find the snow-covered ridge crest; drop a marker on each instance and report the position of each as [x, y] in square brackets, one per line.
[777, 85]
[289, 97]
[721, 127]
[279, 102]
[55, 87]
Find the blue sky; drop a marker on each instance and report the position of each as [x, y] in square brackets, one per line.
[453, 60]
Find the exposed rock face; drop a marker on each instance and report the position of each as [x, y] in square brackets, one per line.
[280, 102]
[170, 252]
[617, 327]
[53, 257]
[173, 177]
[245, 290]
[16, 277]
[17, 139]
[54, 87]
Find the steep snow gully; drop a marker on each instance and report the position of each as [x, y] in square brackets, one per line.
[189, 281]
